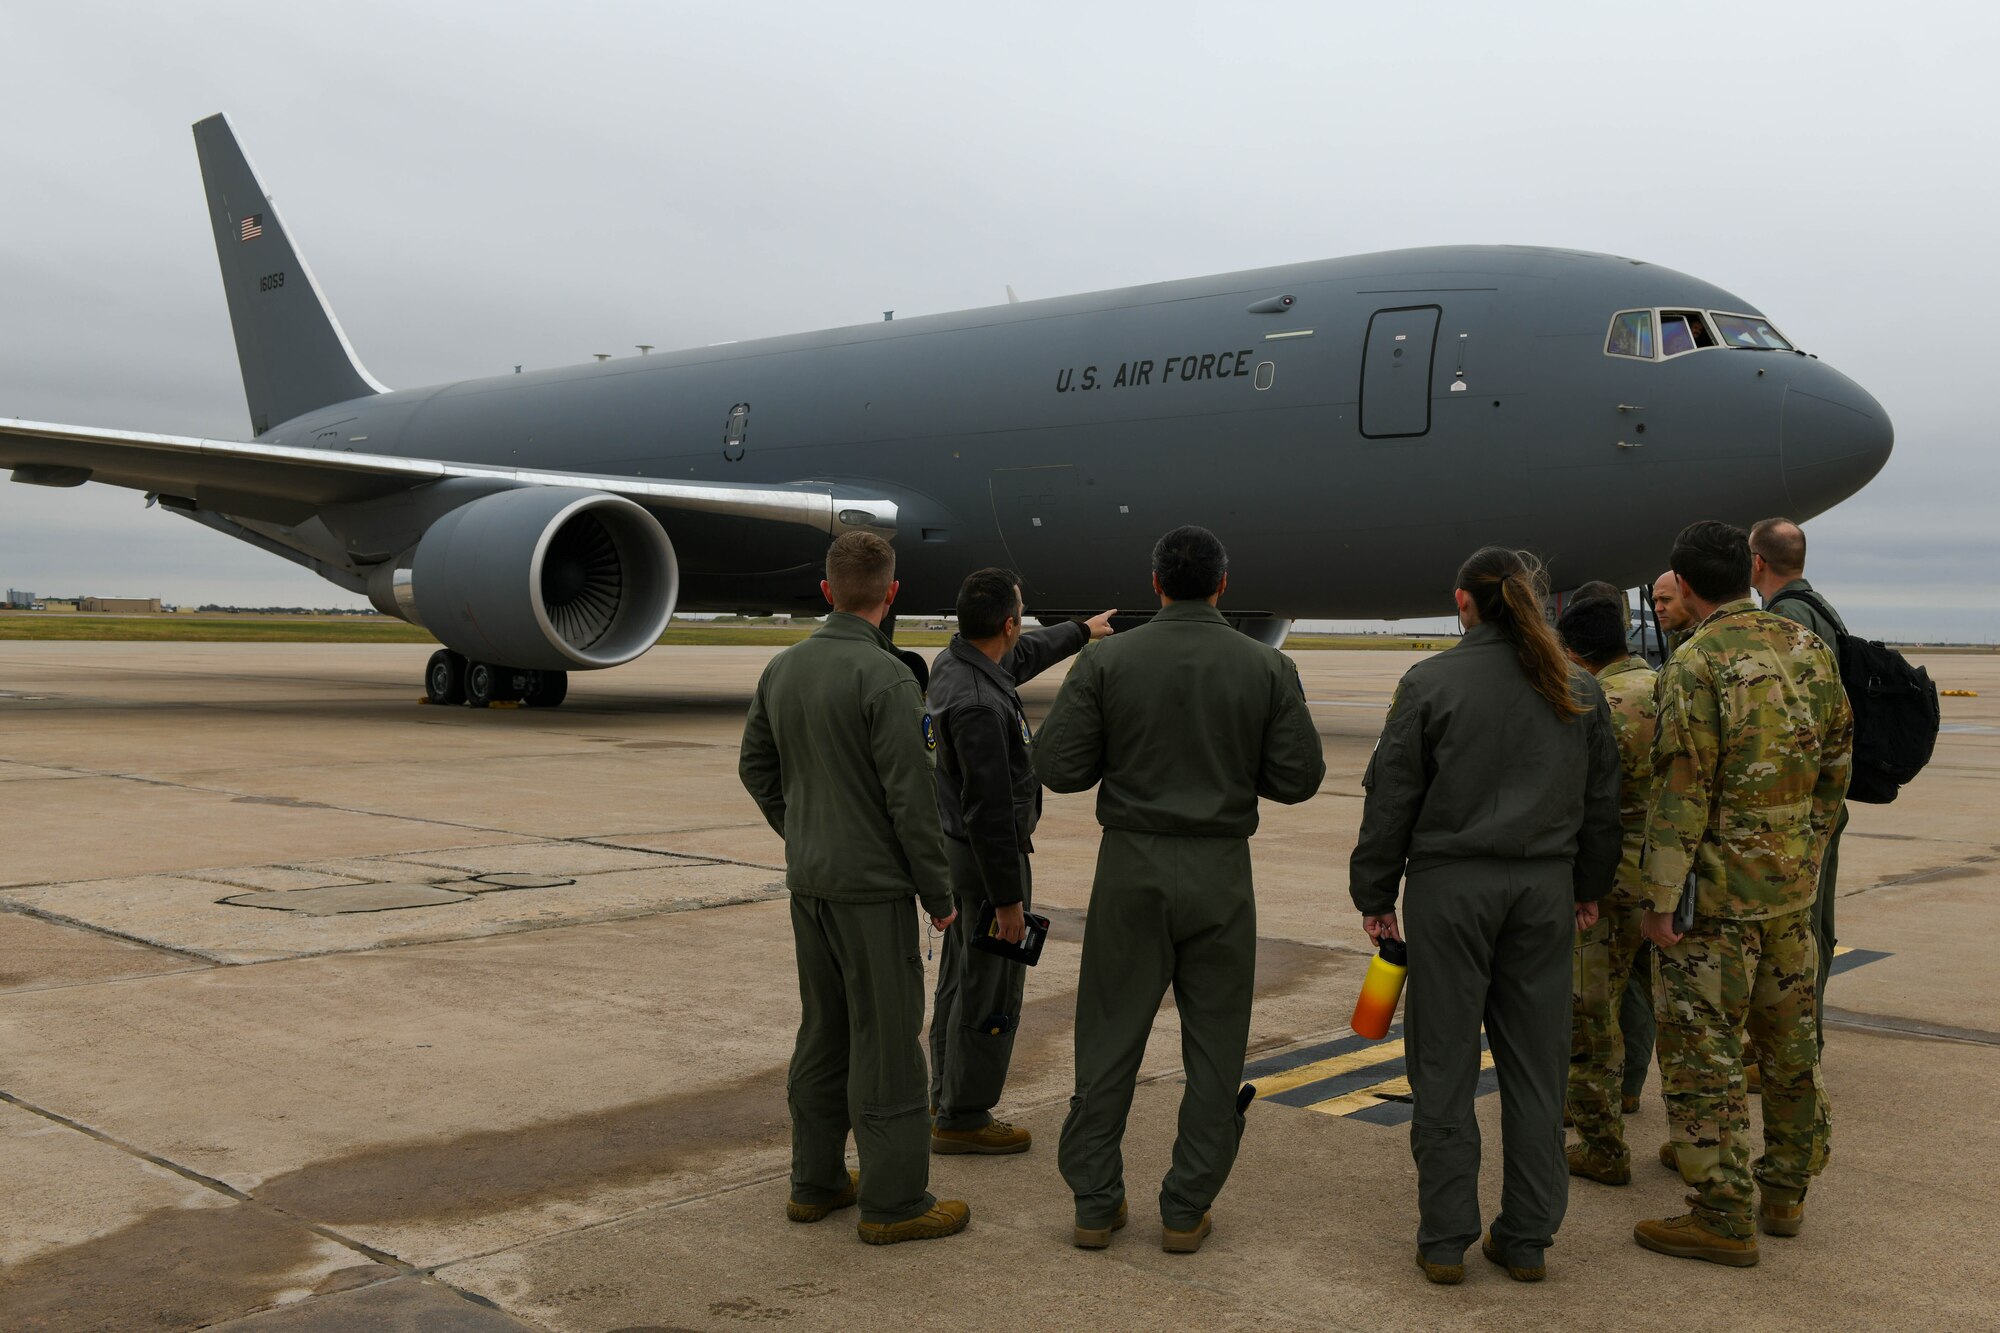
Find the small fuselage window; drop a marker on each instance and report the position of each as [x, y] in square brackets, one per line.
[1631, 334]
[1749, 332]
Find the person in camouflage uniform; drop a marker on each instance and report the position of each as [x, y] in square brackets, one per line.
[1606, 952]
[1754, 753]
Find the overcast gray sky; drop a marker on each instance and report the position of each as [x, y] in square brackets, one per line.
[479, 185]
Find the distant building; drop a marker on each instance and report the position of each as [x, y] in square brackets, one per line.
[20, 600]
[125, 605]
[59, 604]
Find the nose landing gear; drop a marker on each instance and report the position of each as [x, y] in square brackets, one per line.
[450, 678]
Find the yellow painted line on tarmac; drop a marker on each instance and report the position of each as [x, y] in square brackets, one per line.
[1395, 1089]
[1330, 1067]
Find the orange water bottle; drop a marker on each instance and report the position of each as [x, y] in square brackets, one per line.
[1380, 989]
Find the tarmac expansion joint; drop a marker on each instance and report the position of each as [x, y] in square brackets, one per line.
[211, 1183]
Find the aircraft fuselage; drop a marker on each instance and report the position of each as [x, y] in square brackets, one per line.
[1350, 446]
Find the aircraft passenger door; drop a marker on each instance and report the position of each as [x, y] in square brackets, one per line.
[1396, 372]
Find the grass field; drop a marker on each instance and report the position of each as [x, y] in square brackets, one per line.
[17, 626]
[77, 626]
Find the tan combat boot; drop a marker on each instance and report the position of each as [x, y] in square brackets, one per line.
[1686, 1237]
[993, 1140]
[1518, 1273]
[1628, 1104]
[1185, 1242]
[813, 1212]
[1591, 1166]
[1445, 1275]
[947, 1217]
[1669, 1158]
[1780, 1212]
[1099, 1238]
[1753, 1078]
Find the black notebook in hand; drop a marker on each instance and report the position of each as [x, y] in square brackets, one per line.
[985, 935]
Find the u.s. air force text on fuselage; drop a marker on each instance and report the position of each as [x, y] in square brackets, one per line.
[1139, 374]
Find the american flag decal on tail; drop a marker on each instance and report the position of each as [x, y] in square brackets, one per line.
[253, 227]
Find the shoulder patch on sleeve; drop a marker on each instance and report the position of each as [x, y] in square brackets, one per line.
[930, 733]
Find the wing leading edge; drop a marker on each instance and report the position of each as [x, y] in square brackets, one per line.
[280, 482]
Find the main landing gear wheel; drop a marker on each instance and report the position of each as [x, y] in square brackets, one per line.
[453, 679]
[444, 677]
[547, 689]
[483, 684]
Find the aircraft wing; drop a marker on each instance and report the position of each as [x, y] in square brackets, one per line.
[282, 482]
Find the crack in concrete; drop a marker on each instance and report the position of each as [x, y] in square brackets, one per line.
[1890, 1025]
[1966, 868]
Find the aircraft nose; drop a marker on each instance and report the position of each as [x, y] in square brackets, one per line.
[1834, 438]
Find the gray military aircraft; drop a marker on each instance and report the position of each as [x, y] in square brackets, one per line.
[1352, 428]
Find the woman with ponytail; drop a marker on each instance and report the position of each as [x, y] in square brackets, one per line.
[1494, 793]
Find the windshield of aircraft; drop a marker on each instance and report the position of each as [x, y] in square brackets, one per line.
[1748, 331]
[1683, 331]
[1631, 334]
[1648, 335]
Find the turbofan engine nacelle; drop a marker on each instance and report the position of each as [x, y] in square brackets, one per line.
[550, 578]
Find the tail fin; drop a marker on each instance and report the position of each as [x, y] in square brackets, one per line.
[294, 355]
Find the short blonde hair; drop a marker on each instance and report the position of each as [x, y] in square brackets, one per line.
[860, 566]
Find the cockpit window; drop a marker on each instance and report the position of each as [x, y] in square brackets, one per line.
[1749, 331]
[1684, 331]
[1631, 334]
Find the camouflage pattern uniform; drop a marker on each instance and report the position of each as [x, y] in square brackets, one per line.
[1605, 954]
[1755, 750]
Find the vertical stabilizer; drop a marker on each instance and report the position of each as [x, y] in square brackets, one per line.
[294, 355]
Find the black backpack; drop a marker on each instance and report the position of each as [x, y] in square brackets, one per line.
[1896, 713]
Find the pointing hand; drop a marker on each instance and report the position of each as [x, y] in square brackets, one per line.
[1099, 625]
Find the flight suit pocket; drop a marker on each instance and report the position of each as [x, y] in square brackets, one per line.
[894, 1112]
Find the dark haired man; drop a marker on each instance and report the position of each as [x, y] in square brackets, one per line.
[1598, 589]
[837, 754]
[1755, 749]
[1181, 724]
[1607, 953]
[1778, 572]
[989, 801]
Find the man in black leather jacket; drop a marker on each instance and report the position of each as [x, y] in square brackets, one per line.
[988, 800]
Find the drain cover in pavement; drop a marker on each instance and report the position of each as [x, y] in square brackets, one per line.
[344, 898]
[512, 880]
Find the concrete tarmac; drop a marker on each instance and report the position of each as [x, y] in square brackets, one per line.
[321, 1009]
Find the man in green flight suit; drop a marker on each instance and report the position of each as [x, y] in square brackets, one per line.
[1778, 572]
[1181, 724]
[1754, 754]
[837, 753]
[1607, 952]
